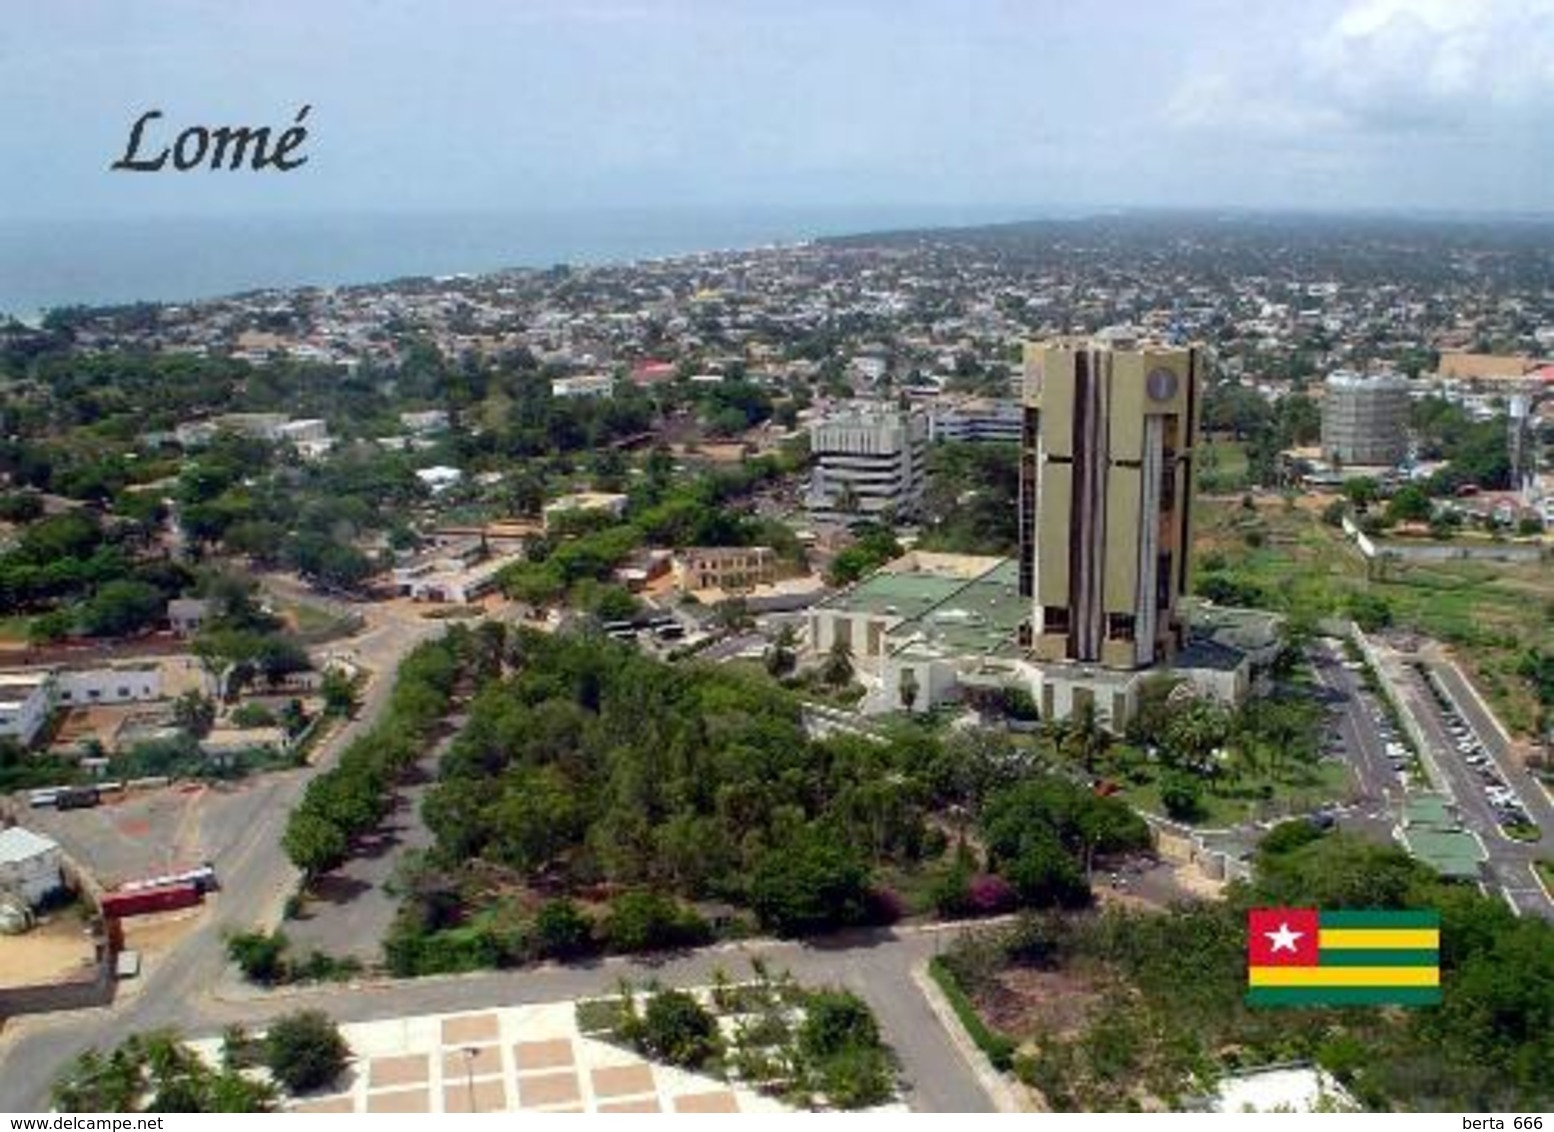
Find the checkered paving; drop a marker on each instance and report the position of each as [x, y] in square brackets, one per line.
[510, 1059]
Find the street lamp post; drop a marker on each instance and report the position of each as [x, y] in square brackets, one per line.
[469, 1074]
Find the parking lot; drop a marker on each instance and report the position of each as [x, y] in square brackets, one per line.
[150, 832]
[1465, 744]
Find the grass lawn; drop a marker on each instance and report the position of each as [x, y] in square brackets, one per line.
[312, 621]
[14, 628]
[1546, 871]
[1489, 612]
[913, 886]
[1299, 791]
[1224, 467]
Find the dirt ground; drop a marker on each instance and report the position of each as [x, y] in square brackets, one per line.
[155, 935]
[54, 950]
[1027, 1000]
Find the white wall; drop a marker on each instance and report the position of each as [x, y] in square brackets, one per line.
[111, 686]
[32, 878]
[24, 720]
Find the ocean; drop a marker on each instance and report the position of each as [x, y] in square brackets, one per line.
[100, 262]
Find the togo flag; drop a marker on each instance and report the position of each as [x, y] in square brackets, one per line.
[1304, 957]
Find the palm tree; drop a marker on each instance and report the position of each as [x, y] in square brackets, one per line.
[1083, 740]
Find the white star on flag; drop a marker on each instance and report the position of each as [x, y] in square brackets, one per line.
[1283, 939]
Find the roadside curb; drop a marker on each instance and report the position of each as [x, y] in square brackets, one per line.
[993, 1083]
[1537, 878]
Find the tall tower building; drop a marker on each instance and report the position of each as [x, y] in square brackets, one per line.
[1105, 488]
[1365, 418]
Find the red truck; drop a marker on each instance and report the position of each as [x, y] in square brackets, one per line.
[164, 898]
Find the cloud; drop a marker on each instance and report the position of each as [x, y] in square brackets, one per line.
[1385, 67]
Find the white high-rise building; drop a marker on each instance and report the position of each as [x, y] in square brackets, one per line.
[869, 459]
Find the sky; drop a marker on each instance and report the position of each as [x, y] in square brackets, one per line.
[479, 105]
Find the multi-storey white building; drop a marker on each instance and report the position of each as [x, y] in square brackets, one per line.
[869, 459]
[976, 419]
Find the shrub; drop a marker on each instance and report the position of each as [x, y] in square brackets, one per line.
[305, 1051]
[561, 930]
[989, 895]
[884, 905]
[857, 1077]
[650, 921]
[679, 1030]
[261, 957]
[834, 1021]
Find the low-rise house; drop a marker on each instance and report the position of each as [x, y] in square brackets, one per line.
[31, 865]
[731, 568]
[458, 572]
[613, 502]
[124, 683]
[583, 385]
[440, 478]
[425, 422]
[25, 698]
[186, 615]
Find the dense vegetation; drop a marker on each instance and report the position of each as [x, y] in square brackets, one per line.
[1154, 1005]
[589, 770]
[970, 506]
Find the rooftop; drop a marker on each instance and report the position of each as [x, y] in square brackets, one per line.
[981, 616]
[1453, 853]
[18, 844]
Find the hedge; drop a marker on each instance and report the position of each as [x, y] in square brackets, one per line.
[999, 1048]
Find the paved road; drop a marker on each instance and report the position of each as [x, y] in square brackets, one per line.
[1510, 862]
[351, 909]
[1534, 798]
[1363, 747]
[255, 878]
[877, 965]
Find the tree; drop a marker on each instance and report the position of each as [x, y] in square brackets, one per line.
[122, 607]
[156, 1072]
[1045, 875]
[834, 1021]
[305, 1051]
[50, 627]
[314, 843]
[781, 657]
[1181, 793]
[837, 670]
[195, 712]
[1361, 491]
[535, 820]
[1409, 504]
[811, 884]
[1082, 739]
[908, 689]
[339, 692]
[650, 921]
